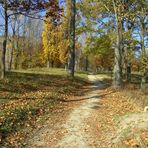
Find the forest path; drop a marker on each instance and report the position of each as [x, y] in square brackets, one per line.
[73, 131]
[77, 135]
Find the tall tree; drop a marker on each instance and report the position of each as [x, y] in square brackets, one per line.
[3, 65]
[13, 25]
[50, 42]
[71, 65]
[118, 7]
[142, 22]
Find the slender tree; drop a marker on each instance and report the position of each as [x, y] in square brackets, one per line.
[3, 65]
[13, 25]
[71, 65]
[144, 58]
[117, 77]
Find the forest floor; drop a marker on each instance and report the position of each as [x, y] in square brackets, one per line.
[101, 118]
[77, 114]
[30, 98]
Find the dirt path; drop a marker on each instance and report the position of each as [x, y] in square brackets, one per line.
[72, 133]
[90, 121]
[77, 135]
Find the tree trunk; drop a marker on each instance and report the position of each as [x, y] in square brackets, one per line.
[143, 55]
[13, 42]
[127, 62]
[129, 50]
[17, 54]
[3, 66]
[86, 63]
[128, 72]
[48, 62]
[12, 53]
[17, 58]
[52, 63]
[11, 58]
[117, 76]
[66, 66]
[71, 65]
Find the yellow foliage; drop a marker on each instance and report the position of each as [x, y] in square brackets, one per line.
[55, 44]
[50, 38]
[9, 45]
[56, 38]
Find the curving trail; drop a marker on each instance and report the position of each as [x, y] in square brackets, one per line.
[76, 126]
[74, 132]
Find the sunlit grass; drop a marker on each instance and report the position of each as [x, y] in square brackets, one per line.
[49, 71]
[54, 71]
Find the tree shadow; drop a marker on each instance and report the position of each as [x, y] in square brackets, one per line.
[96, 107]
[87, 98]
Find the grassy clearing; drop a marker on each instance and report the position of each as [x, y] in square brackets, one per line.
[53, 71]
[26, 96]
[49, 71]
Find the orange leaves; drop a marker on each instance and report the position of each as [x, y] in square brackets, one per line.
[109, 117]
[131, 143]
[51, 6]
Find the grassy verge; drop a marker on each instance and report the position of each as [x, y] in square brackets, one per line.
[52, 71]
[27, 96]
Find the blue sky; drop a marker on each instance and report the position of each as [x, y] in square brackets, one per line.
[62, 2]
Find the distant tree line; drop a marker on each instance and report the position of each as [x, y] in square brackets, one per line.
[95, 35]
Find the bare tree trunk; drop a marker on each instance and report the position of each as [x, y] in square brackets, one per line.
[52, 63]
[128, 71]
[13, 41]
[143, 55]
[128, 66]
[86, 63]
[17, 46]
[117, 77]
[23, 45]
[3, 66]
[12, 50]
[11, 57]
[71, 66]
[17, 53]
[66, 66]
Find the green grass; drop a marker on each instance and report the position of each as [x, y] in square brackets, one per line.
[54, 71]
[50, 71]
[27, 94]
[82, 75]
